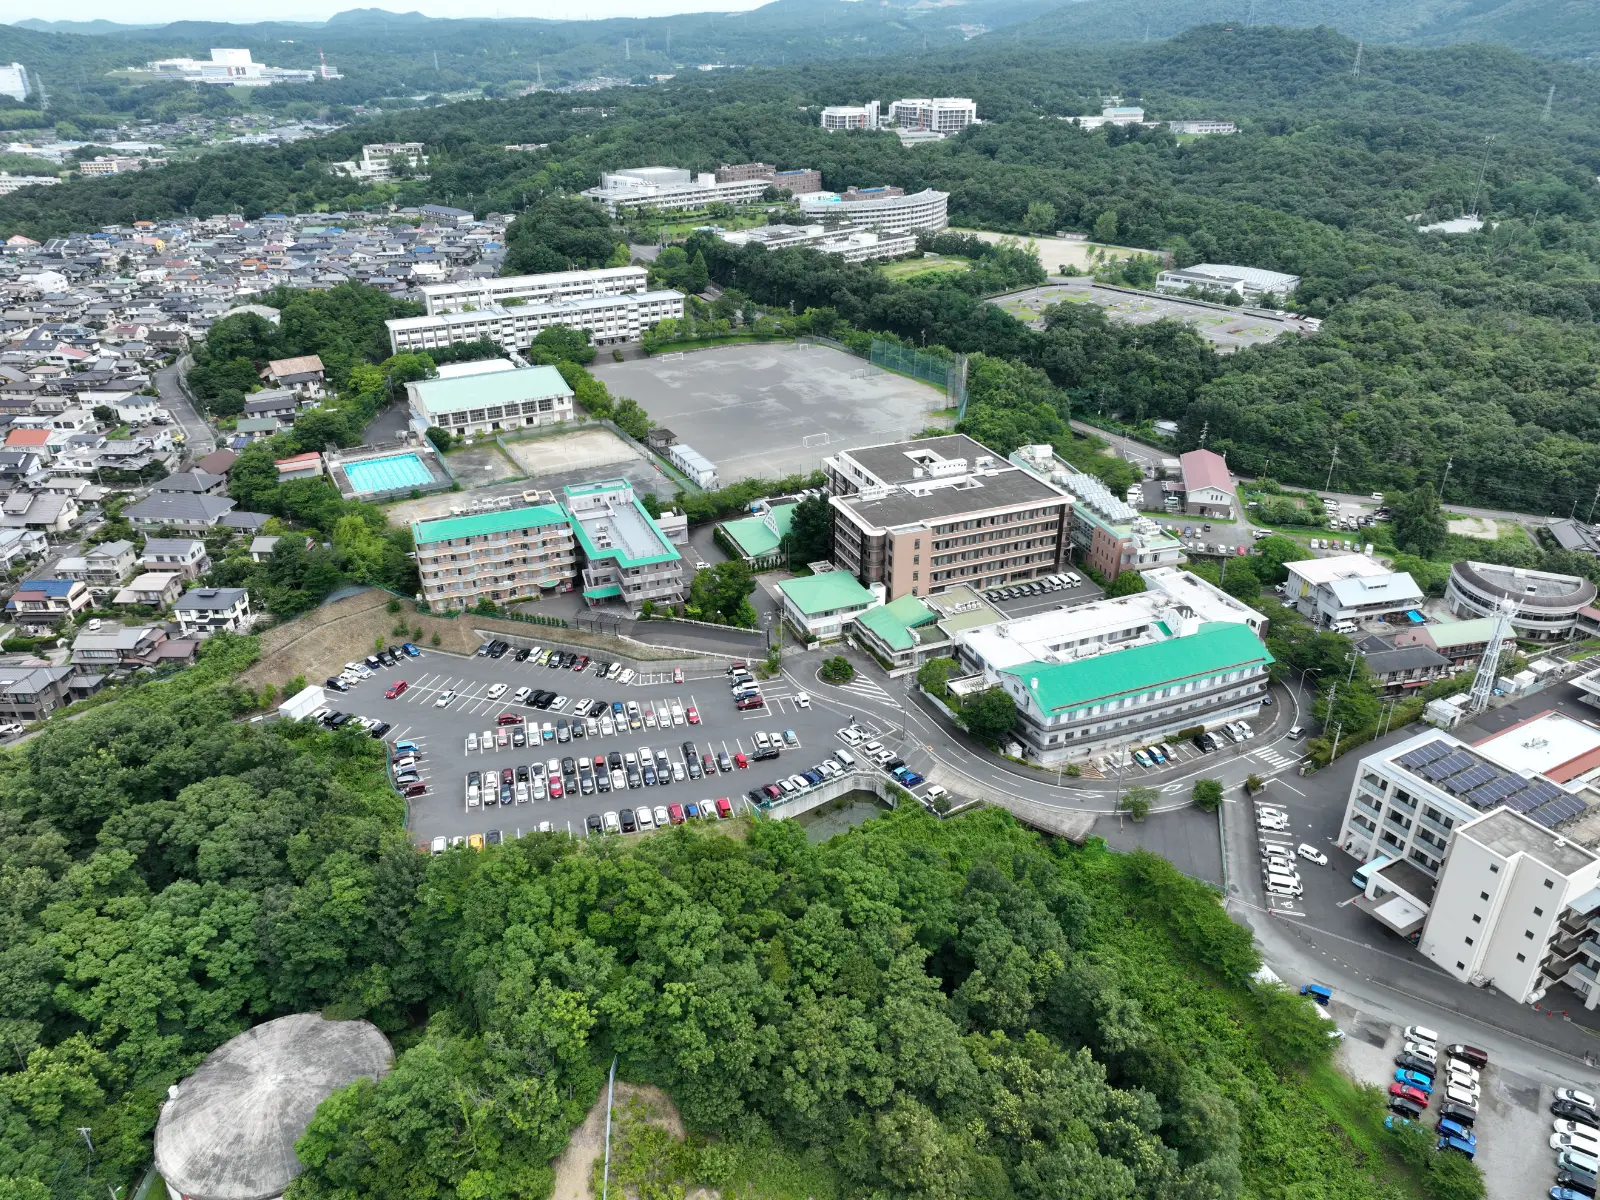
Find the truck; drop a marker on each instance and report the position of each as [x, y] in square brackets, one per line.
[303, 703]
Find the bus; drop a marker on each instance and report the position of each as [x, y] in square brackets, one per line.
[1365, 870]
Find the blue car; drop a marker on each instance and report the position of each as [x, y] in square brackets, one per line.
[411, 651]
[1454, 1129]
[907, 776]
[1394, 1122]
[1456, 1144]
[1563, 1193]
[1416, 1079]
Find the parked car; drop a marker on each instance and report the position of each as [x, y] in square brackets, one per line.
[1470, 1055]
[1409, 1093]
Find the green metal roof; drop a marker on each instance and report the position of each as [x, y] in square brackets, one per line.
[494, 387]
[832, 591]
[911, 612]
[891, 631]
[1461, 633]
[1217, 648]
[755, 537]
[603, 592]
[478, 524]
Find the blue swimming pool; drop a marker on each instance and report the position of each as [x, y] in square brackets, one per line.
[387, 474]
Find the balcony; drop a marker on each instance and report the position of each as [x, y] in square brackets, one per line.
[1441, 829]
[1409, 807]
[1368, 805]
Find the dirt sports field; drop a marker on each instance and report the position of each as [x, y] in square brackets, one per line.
[775, 409]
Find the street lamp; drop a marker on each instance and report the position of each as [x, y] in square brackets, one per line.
[1304, 671]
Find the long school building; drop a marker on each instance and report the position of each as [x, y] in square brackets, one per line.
[606, 319]
[552, 287]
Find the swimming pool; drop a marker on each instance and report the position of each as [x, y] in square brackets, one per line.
[387, 474]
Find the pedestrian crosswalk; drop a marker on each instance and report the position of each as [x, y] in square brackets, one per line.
[866, 689]
[1272, 758]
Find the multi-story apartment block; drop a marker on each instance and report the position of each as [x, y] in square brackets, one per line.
[606, 319]
[627, 556]
[474, 405]
[517, 554]
[942, 114]
[924, 516]
[553, 287]
[1123, 672]
[1107, 533]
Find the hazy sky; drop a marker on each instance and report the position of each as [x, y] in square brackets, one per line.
[159, 11]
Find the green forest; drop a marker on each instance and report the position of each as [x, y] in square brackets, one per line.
[915, 1009]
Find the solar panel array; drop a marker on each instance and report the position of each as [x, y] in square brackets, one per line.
[1485, 785]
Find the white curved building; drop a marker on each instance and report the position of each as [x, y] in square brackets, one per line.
[1547, 605]
[885, 209]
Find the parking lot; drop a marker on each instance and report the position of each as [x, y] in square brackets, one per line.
[441, 735]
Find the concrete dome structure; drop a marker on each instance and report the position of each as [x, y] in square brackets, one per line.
[229, 1130]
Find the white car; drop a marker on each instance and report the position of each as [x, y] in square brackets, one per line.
[626, 676]
[1311, 854]
[521, 694]
[444, 699]
[1273, 823]
[1571, 1141]
[662, 820]
[438, 845]
[850, 735]
[546, 827]
[472, 742]
[1571, 1096]
[496, 690]
[1577, 1127]
[643, 817]
[802, 699]
[1462, 1074]
[1423, 1050]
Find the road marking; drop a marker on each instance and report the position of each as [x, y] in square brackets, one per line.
[1293, 789]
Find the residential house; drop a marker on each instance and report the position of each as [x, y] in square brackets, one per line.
[244, 522]
[218, 462]
[21, 545]
[253, 429]
[302, 375]
[300, 466]
[103, 566]
[281, 404]
[1207, 485]
[29, 694]
[42, 605]
[118, 647]
[195, 483]
[154, 589]
[204, 611]
[1402, 667]
[185, 556]
[179, 510]
[42, 511]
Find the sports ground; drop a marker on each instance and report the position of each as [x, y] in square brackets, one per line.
[773, 409]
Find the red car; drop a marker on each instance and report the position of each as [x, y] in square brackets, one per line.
[508, 719]
[724, 809]
[1409, 1093]
[693, 714]
[583, 661]
[677, 674]
[555, 787]
[708, 764]
[740, 761]
[400, 685]
[675, 813]
[417, 789]
[750, 702]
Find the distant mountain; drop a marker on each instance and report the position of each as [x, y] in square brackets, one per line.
[1553, 28]
[89, 28]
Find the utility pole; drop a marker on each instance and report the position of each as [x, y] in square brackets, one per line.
[1205, 431]
[1328, 483]
[1251, 19]
[1592, 503]
[1477, 188]
[1549, 99]
[627, 50]
[1448, 463]
[1360, 46]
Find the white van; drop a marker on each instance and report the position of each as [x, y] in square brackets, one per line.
[845, 758]
[1420, 1033]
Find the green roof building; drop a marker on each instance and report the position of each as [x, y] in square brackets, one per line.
[514, 554]
[486, 404]
[756, 538]
[1137, 695]
[818, 607]
[628, 555]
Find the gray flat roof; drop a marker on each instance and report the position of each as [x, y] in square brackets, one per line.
[1011, 486]
[890, 464]
[1507, 833]
[1409, 879]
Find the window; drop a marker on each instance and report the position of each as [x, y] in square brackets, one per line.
[1494, 869]
[1538, 912]
[1469, 941]
[1528, 933]
[1522, 958]
[1461, 966]
[1549, 883]
[1483, 895]
[1476, 919]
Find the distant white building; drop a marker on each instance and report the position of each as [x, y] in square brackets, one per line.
[377, 159]
[885, 209]
[942, 114]
[14, 81]
[552, 287]
[1248, 283]
[671, 188]
[231, 68]
[606, 319]
[1111, 115]
[1202, 128]
[838, 117]
[860, 245]
[10, 183]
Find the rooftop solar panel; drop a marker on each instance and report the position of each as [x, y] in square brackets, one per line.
[1543, 790]
[1450, 764]
[1498, 791]
[1556, 811]
[1478, 774]
[1424, 753]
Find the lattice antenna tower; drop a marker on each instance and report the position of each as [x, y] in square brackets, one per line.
[1489, 665]
[1360, 46]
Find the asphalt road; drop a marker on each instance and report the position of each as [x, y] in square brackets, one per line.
[199, 438]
